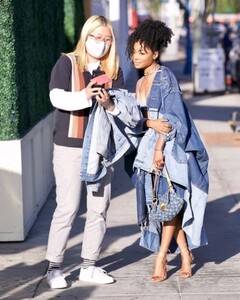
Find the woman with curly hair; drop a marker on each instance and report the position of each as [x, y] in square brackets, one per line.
[181, 150]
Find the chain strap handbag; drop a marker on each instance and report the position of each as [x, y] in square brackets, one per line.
[165, 207]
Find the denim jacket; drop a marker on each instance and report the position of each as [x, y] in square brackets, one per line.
[108, 137]
[185, 157]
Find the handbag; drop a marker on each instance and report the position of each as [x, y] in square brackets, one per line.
[165, 207]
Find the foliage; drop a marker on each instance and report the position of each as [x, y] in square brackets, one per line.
[227, 6]
[8, 92]
[31, 38]
[73, 21]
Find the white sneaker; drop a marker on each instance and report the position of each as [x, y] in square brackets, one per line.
[56, 279]
[95, 274]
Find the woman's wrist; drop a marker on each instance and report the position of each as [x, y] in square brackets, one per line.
[111, 105]
[147, 123]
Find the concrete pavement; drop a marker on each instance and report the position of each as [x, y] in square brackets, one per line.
[216, 269]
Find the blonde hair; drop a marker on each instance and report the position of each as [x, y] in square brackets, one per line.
[110, 61]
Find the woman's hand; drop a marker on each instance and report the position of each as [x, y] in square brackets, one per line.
[158, 159]
[105, 100]
[92, 91]
[159, 125]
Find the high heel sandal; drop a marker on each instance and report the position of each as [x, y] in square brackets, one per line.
[160, 269]
[187, 260]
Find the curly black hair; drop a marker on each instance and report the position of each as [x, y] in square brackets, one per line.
[152, 34]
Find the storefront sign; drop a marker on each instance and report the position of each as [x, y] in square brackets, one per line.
[209, 74]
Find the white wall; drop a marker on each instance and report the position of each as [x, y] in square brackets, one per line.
[26, 179]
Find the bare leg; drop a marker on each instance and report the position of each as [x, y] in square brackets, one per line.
[160, 270]
[186, 255]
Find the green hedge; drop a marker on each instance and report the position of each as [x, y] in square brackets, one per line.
[31, 38]
[73, 21]
[228, 6]
[8, 91]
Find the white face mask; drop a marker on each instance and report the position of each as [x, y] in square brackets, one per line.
[96, 49]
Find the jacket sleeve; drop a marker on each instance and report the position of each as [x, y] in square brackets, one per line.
[129, 111]
[176, 112]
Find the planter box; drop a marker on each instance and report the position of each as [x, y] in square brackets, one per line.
[26, 179]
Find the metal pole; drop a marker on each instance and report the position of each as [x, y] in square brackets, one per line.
[188, 65]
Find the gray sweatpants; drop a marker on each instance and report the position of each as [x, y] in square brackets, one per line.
[66, 164]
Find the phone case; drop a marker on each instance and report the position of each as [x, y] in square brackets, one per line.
[102, 79]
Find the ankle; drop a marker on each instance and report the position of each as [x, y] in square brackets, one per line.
[160, 269]
[53, 266]
[162, 254]
[187, 256]
[184, 250]
[187, 260]
[88, 263]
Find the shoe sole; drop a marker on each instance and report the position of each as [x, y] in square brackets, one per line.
[52, 286]
[97, 282]
[57, 287]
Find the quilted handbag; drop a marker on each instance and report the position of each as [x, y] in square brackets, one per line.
[165, 207]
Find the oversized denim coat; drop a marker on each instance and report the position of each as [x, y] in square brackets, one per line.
[108, 137]
[186, 160]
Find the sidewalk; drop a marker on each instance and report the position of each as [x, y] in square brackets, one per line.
[216, 270]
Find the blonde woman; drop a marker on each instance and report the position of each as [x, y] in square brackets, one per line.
[73, 93]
